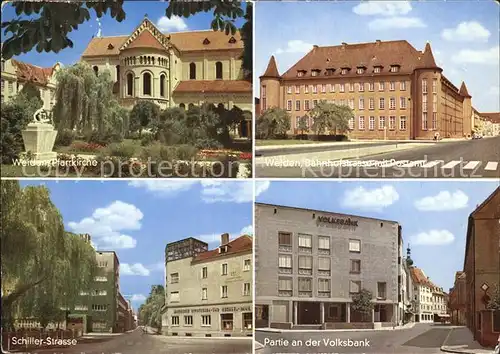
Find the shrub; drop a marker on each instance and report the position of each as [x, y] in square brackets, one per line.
[124, 149]
[97, 138]
[186, 152]
[147, 139]
[85, 147]
[65, 137]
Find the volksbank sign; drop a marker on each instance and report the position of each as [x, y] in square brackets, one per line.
[337, 221]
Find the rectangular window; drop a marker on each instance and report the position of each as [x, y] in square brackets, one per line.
[342, 88]
[371, 86]
[314, 89]
[392, 86]
[424, 85]
[324, 243]
[424, 121]
[175, 320]
[371, 103]
[381, 290]
[204, 293]
[359, 70]
[306, 89]
[174, 278]
[354, 287]
[206, 320]
[351, 87]
[424, 103]
[381, 86]
[305, 284]
[342, 102]
[394, 69]
[305, 262]
[226, 321]
[246, 289]
[284, 239]
[392, 103]
[354, 245]
[371, 123]
[315, 103]
[361, 86]
[223, 291]
[351, 103]
[355, 266]
[285, 285]
[11, 86]
[381, 103]
[324, 286]
[434, 85]
[324, 263]
[351, 123]
[344, 71]
[305, 241]
[204, 273]
[332, 88]
[402, 102]
[361, 123]
[297, 89]
[319, 88]
[289, 105]
[434, 103]
[174, 296]
[392, 122]
[434, 121]
[376, 69]
[323, 88]
[224, 269]
[247, 265]
[402, 123]
[402, 86]
[247, 320]
[381, 122]
[285, 261]
[188, 320]
[289, 89]
[297, 105]
[361, 103]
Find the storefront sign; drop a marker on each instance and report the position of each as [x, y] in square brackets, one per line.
[214, 309]
[337, 221]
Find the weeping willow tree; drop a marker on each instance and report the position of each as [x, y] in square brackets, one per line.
[150, 312]
[43, 267]
[85, 101]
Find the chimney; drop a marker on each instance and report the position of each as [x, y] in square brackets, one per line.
[315, 46]
[224, 239]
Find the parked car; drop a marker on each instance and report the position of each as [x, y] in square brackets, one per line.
[477, 136]
[497, 348]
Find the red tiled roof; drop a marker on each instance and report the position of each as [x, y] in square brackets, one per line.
[32, 73]
[493, 117]
[146, 40]
[238, 245]
[419, 277]
[214, 86]
[368, 55]
[272, 69]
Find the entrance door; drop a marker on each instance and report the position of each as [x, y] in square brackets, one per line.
[244, 129]
[308, 313]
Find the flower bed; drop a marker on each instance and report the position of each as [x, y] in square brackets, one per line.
[217, 154]
[86, 147]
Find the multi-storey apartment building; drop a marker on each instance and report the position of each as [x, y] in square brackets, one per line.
[15, 74]
[491, 123]
[431, 300]
[395, 90]
[310, 263]
[482, 269]
[174, 69]
[209, 292]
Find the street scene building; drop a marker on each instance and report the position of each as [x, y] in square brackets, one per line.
[208, 292]
[431, 302]
[319, 261]
[395, 90]
[482, 271]
[458, 300]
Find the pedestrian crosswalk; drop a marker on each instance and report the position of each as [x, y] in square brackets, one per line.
[488, 166]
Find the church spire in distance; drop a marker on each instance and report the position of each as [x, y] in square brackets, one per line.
[409, 261]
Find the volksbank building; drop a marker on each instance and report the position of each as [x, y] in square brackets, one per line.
[310, 264]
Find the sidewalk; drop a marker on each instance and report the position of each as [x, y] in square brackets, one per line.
[460, 340]
[395, 328]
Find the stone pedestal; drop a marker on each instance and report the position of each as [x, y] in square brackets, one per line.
[39, 139]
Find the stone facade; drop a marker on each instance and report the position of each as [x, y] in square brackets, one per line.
[404, 98]
[209, 293]
[307, 266]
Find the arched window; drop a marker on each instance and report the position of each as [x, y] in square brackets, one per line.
[130, 84]
[140, 60]
[134, 60]
[96, 70]
[218, 70]
[192, 71]
[190, 106]
[153, 60]
[162, 85]
[146, 84]
[182, 106]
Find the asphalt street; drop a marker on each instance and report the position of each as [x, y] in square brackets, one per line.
[138, 343]
[421, 339]
[461, 159]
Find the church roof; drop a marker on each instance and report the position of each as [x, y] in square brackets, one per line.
[272, 69]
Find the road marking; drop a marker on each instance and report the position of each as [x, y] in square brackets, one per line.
[450, 164]
[471, 165]
[432, 163]
[491, 166]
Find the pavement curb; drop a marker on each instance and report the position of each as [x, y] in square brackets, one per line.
[207, 338]
[384, 329]
[456, 349]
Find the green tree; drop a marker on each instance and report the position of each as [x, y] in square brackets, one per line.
[43, 267]
[32, 92]
[142, 115]
[273, 123]
[494, 303]
[48, 24]
[362, 304]
[331, 117]
[150, 312]
[303, 125]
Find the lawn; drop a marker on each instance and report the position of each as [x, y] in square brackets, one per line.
[271, 142]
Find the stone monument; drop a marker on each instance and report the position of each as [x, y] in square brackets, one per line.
[39, 137]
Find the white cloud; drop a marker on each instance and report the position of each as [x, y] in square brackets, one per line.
[235, 192]
[466, 32]
[375, 199]
[216, 237]
[488, 56]
[134, 269]
[443, 201]
[295, 46]
[174, 23]
[261, 187]
[434, 238]
[384, 8]
[396, 22]
[138, 298]
[105, 226]
[162, 187]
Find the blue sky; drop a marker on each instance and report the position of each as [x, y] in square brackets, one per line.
[433, 214]
[135, 11]
[137, 219]
[464, 35]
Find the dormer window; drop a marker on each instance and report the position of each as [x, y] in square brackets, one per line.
[223, 249]
[360, 70]
[377, 69]
[329, 71]
[232, 40]
[110, 46]
[301, 73]
[344, 71]
[206, 41]
[394, 68]
[315, 72]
